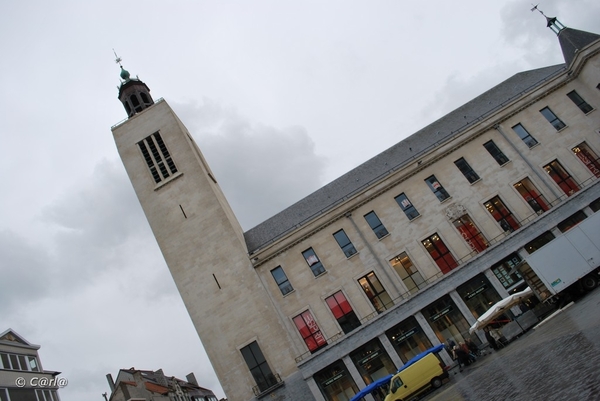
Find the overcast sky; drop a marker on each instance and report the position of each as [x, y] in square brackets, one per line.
[282, 97]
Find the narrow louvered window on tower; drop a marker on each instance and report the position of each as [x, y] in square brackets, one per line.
[157, 157]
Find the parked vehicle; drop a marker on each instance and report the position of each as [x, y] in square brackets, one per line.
[570, 261]
[423, 374]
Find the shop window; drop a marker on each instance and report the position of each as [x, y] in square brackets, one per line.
[588, 158]
[560, 176]
[313, 262]
[376, 225]
[539, 242]
[532, 196]
[282, 281]
[501, 214]
[579, 102]
[258, 366]
[157, 157]
[342, 311]
[506, 271]
[344, 243]
[372, 361]
[466, 169]
[470, 233]
[478, 294]
[440, 253]
[407, 207]
[447, 322]
[309, 330]
[404, 267]
[496, 153]
[408, 339]
[595, 205]
[335, 382]
[437, 188]
[525, 135]
[552, 118]
[375, 292]
[571, 221]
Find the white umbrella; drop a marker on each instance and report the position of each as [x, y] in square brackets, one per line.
[499, 308]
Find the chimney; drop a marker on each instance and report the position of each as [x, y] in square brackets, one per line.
[191, 378]
[160, 378]
[111, 383]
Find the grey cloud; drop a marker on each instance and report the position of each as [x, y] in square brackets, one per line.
[23, 269]
[261, 169]
[101, 210]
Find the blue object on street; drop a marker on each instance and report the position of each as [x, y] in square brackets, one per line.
[373, 386]
[433, 350]
[383, 381]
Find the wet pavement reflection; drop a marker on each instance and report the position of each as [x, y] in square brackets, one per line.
[560, 360]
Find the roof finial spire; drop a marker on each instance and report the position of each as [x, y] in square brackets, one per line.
[124, 73]
[117, 59]
[555, 25]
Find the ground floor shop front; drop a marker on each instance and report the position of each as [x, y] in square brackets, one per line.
[446, 320]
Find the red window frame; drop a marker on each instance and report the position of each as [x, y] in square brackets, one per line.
[588, 158]
[338, 304]
[470, 233]
[532, 196]
[440, 253]
[560, 176]
[309, 330]
[502, 214]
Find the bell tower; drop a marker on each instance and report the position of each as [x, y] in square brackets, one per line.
[201, 240]
[133, 93]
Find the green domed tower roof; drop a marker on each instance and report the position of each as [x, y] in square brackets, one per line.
[124, 74]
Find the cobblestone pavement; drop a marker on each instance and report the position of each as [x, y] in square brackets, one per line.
[560, 360]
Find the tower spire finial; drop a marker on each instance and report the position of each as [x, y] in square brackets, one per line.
[554, 24]
[117, 59]
[124, 73]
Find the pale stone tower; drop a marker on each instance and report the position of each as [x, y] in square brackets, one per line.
[203, 245]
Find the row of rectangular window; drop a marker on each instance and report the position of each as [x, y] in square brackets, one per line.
[464, 224]
[18, 362]
[495, 206]
[437, 249]
[470, 233]
[552, 118]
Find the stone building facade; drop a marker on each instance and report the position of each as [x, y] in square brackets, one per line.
[401, 253]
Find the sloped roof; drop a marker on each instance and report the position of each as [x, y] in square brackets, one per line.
[571, 40]
[10, 336]
[156, 388]
[404, 152]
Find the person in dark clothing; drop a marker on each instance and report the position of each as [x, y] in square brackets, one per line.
[490, 339]
[461, 356]
[473, 348]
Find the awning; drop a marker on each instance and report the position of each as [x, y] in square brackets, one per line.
[500, 308]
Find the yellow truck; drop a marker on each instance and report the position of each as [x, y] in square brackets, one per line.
[423, 374]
